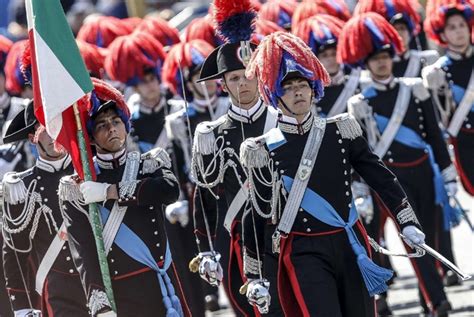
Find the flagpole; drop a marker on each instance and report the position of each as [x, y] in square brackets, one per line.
[94, 216]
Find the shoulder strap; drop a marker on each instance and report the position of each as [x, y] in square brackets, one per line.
[118, 213]
[310, 153]
[463, 108]
[271, 119]
[348, 91]
[399, 111]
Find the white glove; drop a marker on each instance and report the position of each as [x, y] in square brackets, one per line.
[365, 208]
[433, 77]
[110, 313]
[210, 269]
[451, 188]
[178, 212]
[363, 201]
[28, 313]
[8, 166]
[93, 191]
[258, 294]
[413, 236]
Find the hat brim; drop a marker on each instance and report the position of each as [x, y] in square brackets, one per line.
[209, 68]
[104, 107]
[17, 130]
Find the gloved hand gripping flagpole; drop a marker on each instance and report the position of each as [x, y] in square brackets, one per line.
[94, 216]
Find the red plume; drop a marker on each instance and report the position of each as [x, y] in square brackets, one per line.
[313, 26]
[5, 45]
[271, 10]
[224, 9]
[101, 31]
[356, 42]
[181, 53]
[202, 29]
[267, 58]
[407, 7]
[130, 55]
[265, 27]
[337, 8]
[160, 30]
[14, 79]
[93, 57]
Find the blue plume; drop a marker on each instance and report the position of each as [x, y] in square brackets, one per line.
[238, 27]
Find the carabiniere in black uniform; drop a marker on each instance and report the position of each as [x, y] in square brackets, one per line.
[216, 149]
[33, 230]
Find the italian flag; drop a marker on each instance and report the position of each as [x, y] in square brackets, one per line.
[58, 72]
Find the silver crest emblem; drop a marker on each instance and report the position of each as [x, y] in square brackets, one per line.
[305, 169]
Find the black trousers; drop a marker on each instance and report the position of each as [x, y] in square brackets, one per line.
[232, 265]
[63, 295]
[464, 149]
[183, 248]
[5, 307]
[418, 184]
[319, 275]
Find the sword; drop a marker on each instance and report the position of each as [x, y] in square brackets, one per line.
[442, 259]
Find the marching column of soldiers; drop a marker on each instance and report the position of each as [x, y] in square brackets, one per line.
[260, 152]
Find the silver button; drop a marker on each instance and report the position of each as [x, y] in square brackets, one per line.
[347, 183]
[423, 134]
[343, 150]
[71, 271]
[419, 110]
[153, 220]
[345, 172]
[389, 152]
[305, 220]
[348, 194]
[110, 250]
[68, 258]
[227, 143]
[225, 132]
[282, 171]
[46, 200]
[468, 125]
[277, 163]
[161, 257]
[155, 233]
[390, 160]
[301, 209]
[41, 188]
[157, 245]
[112, 260]
[38, 177]
[417, 100]
[272, 154]
[421, 118]
[151, 207]
[349, 205]
[340, 141]
[308, 229]
[115, 272]
[421, 126]
[64, 247]
[337, 132]
[344, 161]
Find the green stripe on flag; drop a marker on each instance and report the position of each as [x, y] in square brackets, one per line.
[50, 22]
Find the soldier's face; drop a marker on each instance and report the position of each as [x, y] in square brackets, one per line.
[297, 97]
[109, 133]
[242, 91]
[404, 33]
[328, 59]
[380, 66]
[149, 89]
[45, 145]
[456, 32]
